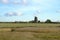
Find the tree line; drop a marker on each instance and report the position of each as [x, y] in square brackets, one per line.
[37, 21]
[33, 21]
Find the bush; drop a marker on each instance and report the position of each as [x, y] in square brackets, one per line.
[38, 21]
[12, 30]
[48, 21]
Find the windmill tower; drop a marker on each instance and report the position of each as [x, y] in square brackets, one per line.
[35, 16]
[35, 19]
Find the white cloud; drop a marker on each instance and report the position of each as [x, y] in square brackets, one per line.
[16, 2]
[24, 2]
[13, 14]
[37, 1]
[58, 11]
[20, 2]
[5, 1]
[19, 13]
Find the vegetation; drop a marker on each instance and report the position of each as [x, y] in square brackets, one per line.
[20, 25]
[48, 21]
[29, 31]
[29, 36]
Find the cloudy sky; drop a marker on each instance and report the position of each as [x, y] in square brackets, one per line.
[25, 10]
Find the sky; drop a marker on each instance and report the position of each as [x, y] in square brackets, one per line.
[25, 10]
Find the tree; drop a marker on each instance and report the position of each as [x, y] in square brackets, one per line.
[48, 21]
[38, 21]
[35, 19]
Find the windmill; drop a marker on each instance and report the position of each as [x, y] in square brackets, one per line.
[35, 15]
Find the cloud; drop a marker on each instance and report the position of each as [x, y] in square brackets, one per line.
[16, 2]
[5, 1]
[36, 13]
[13, 14]
[58, 11]
[20, 2]
[24, 2]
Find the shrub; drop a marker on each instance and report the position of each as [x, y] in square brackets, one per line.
[48, 21]
[12, 30]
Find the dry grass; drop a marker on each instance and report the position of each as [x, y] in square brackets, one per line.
[17, 25]
[37, 30]
[29, 36]
[5, 29]
[29, 32]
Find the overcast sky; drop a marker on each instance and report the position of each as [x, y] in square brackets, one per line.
[25, 10]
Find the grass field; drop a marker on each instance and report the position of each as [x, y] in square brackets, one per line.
[29, 31]
[28, 25]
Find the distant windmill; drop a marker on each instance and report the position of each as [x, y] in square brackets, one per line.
[35, 15]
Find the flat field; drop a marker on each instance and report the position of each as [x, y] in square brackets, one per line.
[11, 25]
[29, 31]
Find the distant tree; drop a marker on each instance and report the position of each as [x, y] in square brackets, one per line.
[35, 19]
[38, 21]
[48, 21]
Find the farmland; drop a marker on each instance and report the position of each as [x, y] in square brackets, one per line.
[29, 31]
